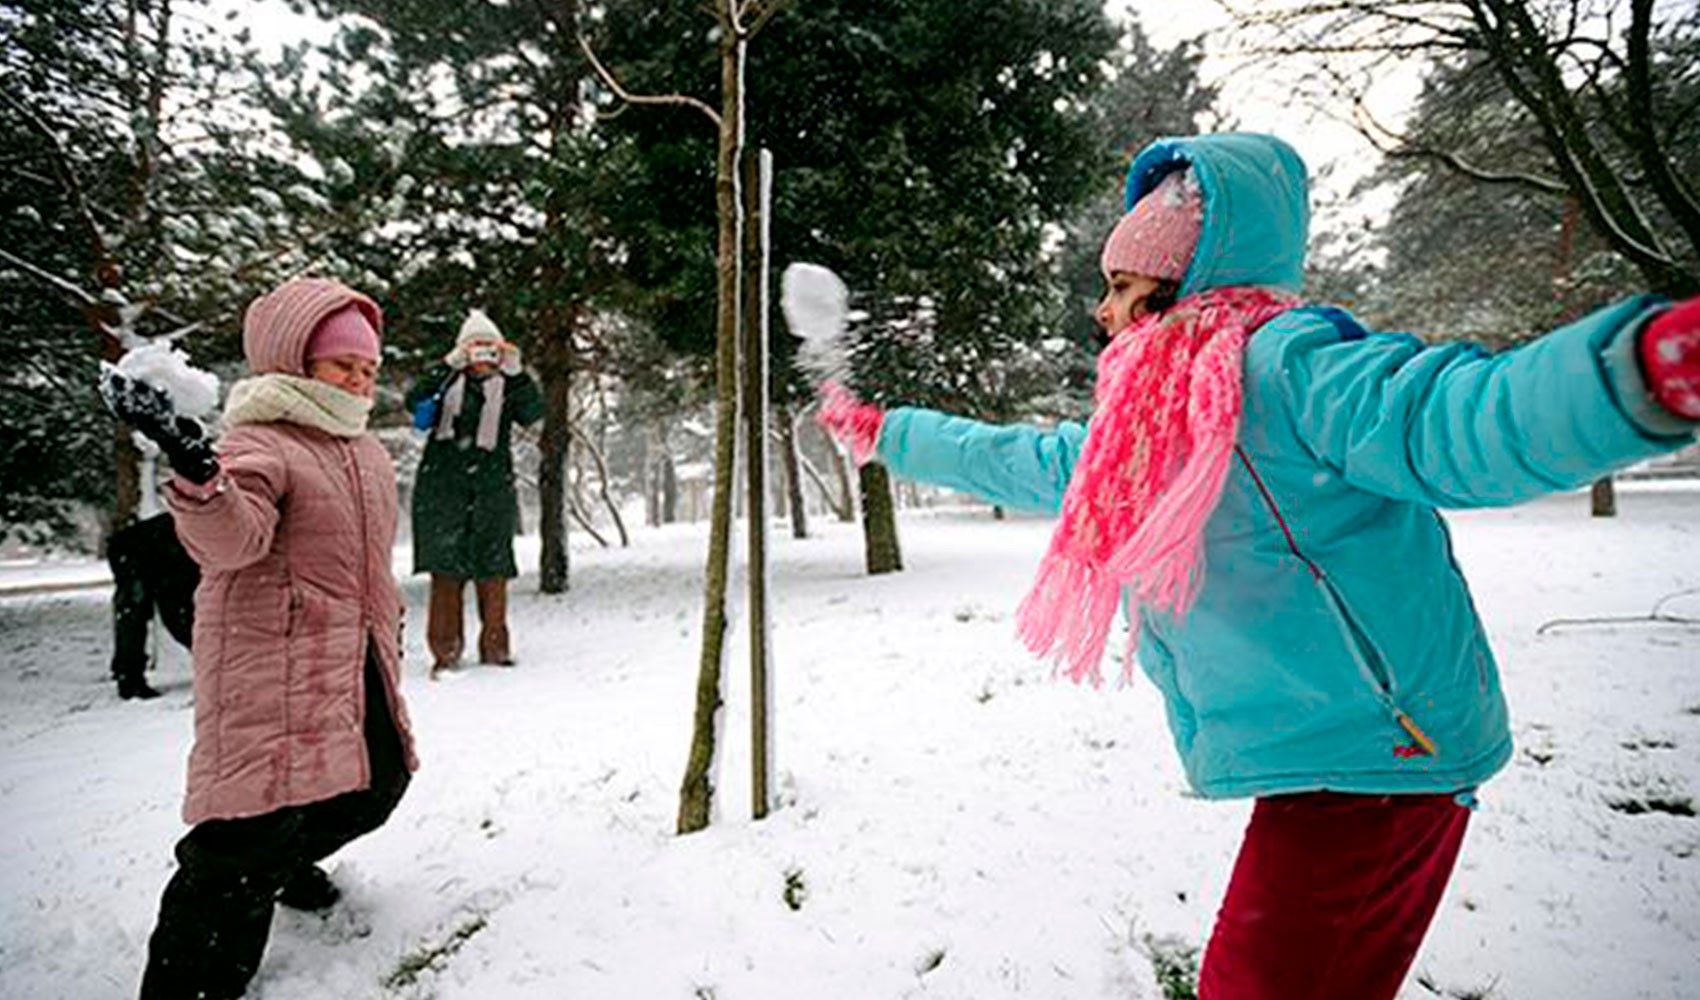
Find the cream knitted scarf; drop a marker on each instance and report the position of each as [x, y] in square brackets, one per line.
[269, 398]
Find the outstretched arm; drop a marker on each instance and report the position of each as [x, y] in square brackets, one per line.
[1452, 426]
[1011, 465]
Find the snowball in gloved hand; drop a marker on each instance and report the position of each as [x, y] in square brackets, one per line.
[164, 367]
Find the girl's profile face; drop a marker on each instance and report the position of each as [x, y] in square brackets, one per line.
[1124, 301]
[349, 372]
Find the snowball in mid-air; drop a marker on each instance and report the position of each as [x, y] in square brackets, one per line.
[193, 392]
[815, 302]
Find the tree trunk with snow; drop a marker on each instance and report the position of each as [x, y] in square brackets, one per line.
[756, 169]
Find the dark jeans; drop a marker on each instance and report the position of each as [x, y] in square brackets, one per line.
[150, 571]
[216, 911]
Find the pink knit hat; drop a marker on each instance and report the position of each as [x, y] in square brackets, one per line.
[278, 324]
[1158, 237]
[345, 331]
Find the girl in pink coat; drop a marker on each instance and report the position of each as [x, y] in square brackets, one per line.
[302, 741]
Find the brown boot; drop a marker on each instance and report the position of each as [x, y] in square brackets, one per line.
[443, 622]
[493, 622]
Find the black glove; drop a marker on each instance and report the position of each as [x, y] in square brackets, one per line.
[149, 410]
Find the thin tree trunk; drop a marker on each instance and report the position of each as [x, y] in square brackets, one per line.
[558, 321]
[602, 490]
[1603, 498]
[555, 371]
[793, 480]
[841, 468]
[669, 489]
[126, 460]
[650, 477]
[754, 406]
[842, 508]
[577, 513]
[696, 793]
[879, 521]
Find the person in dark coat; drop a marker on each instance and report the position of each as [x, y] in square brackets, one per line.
[465, 507]
[151, 571]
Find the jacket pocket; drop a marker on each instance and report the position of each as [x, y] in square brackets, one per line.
[1377, 672]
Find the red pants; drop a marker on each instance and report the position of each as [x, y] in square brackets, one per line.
[1331, 896]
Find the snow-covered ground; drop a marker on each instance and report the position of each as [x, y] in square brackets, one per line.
[951, 823]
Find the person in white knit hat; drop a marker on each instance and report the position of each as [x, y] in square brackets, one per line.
[465, 507]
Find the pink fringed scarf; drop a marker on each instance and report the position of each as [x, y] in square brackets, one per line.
[1150, 474]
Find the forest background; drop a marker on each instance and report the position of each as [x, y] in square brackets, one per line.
[956, 161]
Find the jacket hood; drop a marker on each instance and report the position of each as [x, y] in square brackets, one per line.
[278, 324]
[1256, 207]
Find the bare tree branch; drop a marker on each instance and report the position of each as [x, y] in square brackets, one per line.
[1564, 64]
[677, 100]
[764, 14]
[602, 479]
[1509, 33]
[840, 509]
[1396, 146]
[69, 288]
[1658, 164]
[1657, 616]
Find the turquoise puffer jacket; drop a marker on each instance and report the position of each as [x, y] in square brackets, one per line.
[1334, 644]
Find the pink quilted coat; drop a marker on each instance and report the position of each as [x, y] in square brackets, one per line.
[294, 541]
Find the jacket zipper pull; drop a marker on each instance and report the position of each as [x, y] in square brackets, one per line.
[1416, 732]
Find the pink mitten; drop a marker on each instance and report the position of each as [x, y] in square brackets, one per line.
[1670, 355]
[854, 423]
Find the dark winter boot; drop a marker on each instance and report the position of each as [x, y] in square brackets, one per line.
[135, 687]
[309, 888]
[493, 622]
[443, 622]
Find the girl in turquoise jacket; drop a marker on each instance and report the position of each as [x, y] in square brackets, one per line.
[1259, 487]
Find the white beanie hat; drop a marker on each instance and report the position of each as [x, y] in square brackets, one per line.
[477, 326]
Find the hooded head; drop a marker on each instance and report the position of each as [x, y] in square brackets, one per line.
[278, 325]
[1254, 216]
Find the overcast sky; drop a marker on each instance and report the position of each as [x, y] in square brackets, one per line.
[1256, 101]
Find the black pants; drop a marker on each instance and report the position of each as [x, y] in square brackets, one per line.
[150, 571]
[216, 912]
